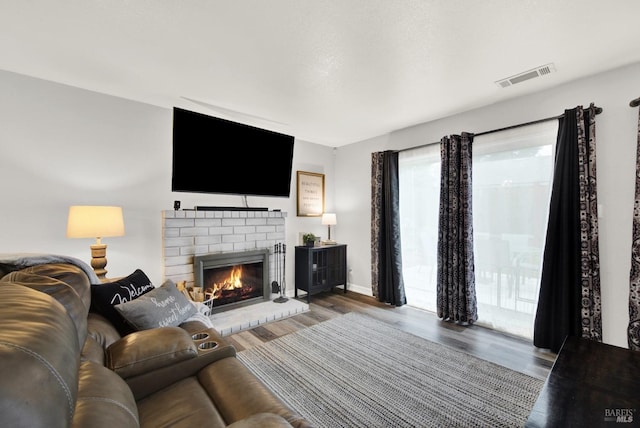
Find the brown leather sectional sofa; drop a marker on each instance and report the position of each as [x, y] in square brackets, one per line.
[64, 366]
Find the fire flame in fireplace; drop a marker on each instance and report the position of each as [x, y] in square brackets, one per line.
[231, 282]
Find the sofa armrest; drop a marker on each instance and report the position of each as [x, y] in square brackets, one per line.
[150, 382]
[149, 350]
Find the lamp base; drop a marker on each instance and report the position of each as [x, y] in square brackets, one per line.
[328, 242]
[99, 260]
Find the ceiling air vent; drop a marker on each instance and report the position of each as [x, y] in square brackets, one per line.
[543, 70]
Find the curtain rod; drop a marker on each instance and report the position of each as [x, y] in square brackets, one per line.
[634, 103]
[598, 111]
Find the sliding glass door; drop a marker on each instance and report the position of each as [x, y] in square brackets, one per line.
[512, 172]
[419, 180]
[512, 178]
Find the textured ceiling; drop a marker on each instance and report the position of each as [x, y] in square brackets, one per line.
[330, 71]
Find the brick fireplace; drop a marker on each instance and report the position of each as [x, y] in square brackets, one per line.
[189, 233]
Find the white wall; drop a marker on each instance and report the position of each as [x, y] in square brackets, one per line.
[616, 130]
[62, 146]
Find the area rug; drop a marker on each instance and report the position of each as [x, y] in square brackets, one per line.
[356, 371]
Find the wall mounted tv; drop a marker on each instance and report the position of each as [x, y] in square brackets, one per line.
[213, 155]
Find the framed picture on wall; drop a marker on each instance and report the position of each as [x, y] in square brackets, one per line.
[310, 191]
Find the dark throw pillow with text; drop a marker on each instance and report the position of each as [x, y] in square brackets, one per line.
[105, 296]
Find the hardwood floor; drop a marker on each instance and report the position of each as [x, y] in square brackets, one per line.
[509, 351]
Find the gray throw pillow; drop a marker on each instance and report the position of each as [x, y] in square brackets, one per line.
[161, 307]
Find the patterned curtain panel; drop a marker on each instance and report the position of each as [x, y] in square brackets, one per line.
[387, 283]
[376, 219]
[634, 284]
[569, 300]
[456, 283]
[591, 314]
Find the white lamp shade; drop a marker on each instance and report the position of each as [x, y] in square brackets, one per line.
[94, 222]
[329, 219]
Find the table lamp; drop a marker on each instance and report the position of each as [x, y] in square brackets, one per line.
[95, 222]
[329, 219]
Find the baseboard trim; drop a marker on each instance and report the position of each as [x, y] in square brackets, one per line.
[360, 289]
[351, 287]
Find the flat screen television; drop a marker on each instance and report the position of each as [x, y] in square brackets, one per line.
[213, 155]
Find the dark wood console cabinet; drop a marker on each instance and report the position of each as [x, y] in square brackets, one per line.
[320, 269]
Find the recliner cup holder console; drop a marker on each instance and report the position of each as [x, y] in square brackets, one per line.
[200, 336]
[207, 346]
